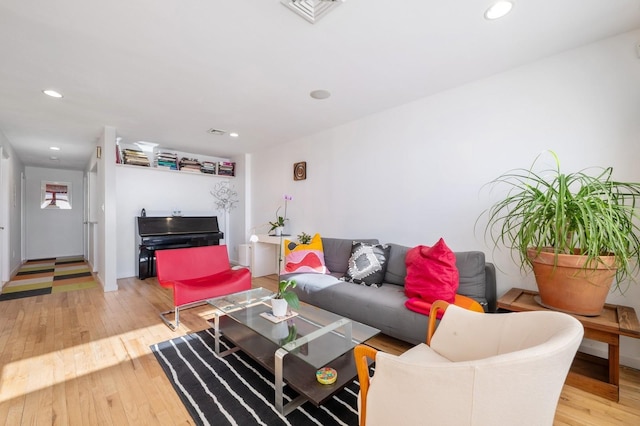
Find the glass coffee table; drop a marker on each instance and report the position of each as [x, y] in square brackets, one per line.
[312, 339]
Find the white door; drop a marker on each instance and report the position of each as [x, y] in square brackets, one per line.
[23, 217]
[4, 200]
[85, 218]
[92, 217]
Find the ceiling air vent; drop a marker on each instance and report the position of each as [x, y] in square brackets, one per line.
[311, 10]
[217, 132]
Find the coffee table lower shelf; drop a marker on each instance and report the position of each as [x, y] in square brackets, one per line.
[297, 374]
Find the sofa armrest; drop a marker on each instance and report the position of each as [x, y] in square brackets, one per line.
[490, 290]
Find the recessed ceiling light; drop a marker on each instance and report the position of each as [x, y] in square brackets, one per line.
[234, 134]
[54, 148]
[320, 94]
[52, 93]
[498, 10]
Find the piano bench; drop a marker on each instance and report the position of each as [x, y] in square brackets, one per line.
[196, 274]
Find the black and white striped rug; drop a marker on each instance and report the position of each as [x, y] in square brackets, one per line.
[235, 390]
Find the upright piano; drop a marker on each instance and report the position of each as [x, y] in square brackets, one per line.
[159, 233]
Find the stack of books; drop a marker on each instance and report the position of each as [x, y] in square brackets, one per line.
[136, 158]
[190, 165]
[226, 168]
[167, 160]
[208, 167]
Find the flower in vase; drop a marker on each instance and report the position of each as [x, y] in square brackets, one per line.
[280, 220]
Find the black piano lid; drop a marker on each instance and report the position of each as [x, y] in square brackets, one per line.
[177, 225]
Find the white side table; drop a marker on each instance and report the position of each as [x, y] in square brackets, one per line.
[265, 253]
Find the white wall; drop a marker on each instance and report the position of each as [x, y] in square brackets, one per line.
[415, 173]
[53, 232]
[160, 192]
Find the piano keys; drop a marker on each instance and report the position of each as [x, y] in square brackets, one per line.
[159, 233]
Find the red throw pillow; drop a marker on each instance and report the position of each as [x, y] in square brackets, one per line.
[432, 273]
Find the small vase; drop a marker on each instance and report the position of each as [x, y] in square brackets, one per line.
[279, 307]
[280, 330]
[279, 230]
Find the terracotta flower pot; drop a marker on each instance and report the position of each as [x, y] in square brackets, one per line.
[569, 286]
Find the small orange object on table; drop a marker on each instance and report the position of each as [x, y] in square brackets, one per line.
[590, 373]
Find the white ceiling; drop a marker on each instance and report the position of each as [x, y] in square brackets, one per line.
[168, 70]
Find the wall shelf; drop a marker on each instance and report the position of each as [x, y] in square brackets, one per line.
[130, 155]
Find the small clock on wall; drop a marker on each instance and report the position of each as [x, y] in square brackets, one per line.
[300, 170]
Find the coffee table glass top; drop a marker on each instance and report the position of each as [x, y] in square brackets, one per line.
[314, 335]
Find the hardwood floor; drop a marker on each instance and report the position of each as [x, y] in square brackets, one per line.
[83, 358]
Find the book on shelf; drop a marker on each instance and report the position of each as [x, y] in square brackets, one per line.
[134, 157]
[167, 160]
[208, 167]
[226, 168]
[190, 165]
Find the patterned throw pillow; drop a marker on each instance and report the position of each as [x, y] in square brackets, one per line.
[304, 257]
[367, 264]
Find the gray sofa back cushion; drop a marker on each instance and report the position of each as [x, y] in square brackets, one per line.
[470, 264]
[337, 252]
[396, 266]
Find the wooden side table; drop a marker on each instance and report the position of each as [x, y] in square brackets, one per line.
[590, 373]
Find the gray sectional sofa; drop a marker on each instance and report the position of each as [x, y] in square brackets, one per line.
[383, 307]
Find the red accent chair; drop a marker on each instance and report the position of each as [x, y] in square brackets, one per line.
[196, 274]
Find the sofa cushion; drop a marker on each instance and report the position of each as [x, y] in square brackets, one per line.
[379, 307]
[432, 273]
[311, 283]
[304, 257]
[396, 266]
[471, 269]
[337, 252]
[367, 264]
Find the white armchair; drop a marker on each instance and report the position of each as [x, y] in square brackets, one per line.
[480, 369]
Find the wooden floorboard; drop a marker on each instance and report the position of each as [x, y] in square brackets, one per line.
[83, 358]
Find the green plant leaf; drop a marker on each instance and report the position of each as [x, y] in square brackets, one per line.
[292, 299]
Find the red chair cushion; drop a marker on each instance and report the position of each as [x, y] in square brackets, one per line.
[191, 262]
[202, 288]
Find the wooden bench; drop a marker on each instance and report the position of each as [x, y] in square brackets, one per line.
[590, 373]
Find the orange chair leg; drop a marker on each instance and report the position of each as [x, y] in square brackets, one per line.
[433, 315]
[361, 353]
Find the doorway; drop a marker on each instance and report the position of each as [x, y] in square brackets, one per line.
[91, 218]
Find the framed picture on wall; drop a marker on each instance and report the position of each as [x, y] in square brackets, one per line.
[55, 195]
[300, 170]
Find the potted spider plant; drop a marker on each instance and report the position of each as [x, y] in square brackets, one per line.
[576, 231]
[284, 297]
